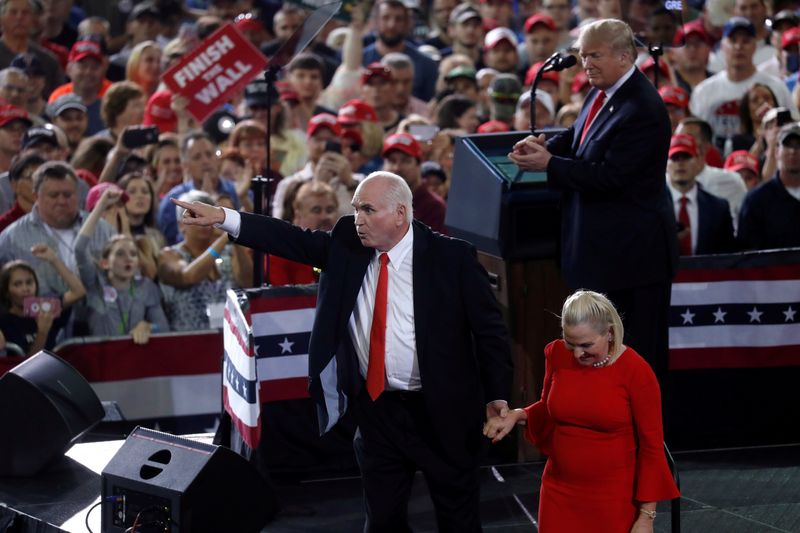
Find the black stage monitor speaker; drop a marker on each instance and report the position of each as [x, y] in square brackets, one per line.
[45, 406]
[169, 484]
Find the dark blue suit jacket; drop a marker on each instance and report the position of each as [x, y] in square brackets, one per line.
[462, 341]
[617, 227]
[715, 226]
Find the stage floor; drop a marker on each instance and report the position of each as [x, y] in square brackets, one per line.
[750, 490]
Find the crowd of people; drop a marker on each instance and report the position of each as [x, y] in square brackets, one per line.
[85, 213]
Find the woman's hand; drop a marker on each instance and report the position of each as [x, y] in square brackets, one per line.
[643, 524]
[141, 333]
[44, 252]
[333, 166]
[109, 197]
[44, 321]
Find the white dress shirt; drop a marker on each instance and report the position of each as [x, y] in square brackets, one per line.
[402, 366]
[691, 208]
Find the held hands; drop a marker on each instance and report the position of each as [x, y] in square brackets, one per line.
[497, 427]
[530, 153]
[200, 214]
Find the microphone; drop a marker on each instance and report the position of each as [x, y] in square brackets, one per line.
[560, 61]
[555, 63]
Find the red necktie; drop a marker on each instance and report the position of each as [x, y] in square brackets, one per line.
[377, 334]
[596, 105]
[686, 232]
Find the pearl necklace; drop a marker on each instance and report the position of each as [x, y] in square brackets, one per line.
[603, 362]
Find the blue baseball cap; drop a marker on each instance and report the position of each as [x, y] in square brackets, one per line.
[738, 23]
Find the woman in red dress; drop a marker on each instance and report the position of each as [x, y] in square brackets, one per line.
[599, 422]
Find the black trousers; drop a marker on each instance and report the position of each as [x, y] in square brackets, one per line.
[645, 315]
[395, 439]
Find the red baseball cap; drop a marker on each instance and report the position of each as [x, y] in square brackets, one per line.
[374, 70]
[790, 37]
[674, 96]
[682, 144]
[9, 113]
[741, 159]
[697, 29]
[82, 49]
[158, 112]
[403, 142]
[498, 35]
[649, 64]
[540, 18]
[248, 22]
[493, 126]
[580, 82]
[354, 135]
[323, 120]
[531, 74]
[355, 111]
[97, 191]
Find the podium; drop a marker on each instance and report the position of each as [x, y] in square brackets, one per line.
[513, 220]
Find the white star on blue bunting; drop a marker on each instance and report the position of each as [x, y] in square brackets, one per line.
[286, 345]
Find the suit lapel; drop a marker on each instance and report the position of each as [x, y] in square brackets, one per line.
[579, 122]
[422, 282]
[606, 113]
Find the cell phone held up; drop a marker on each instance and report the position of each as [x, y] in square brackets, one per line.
[140, 136]
[33, 305]
[333, 146]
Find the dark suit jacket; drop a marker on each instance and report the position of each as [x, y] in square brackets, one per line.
[617, 228]
[462, 341]
[769, 217]
[715, 226]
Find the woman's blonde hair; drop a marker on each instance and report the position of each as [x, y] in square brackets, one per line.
[132, 66]
[595, 310]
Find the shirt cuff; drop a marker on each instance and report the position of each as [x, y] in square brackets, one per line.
[232, 223]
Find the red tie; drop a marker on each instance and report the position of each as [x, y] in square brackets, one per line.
[686, 232]
[377, 335]
[596, 105]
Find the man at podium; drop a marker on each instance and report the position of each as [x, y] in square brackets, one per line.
[618, 230]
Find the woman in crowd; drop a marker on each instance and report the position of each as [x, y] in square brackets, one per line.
[122, 106]
[120, 301]
[90, 156]
[141, 209]
[457, 112]
[231, 164]
[599, 421]
[18, 281]
[249, 137]
[164, 158]
[20, 180]
[196, 272]
[144, 67]
[752, 107]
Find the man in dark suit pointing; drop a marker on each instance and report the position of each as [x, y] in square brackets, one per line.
[420, 347]
[618, 231]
